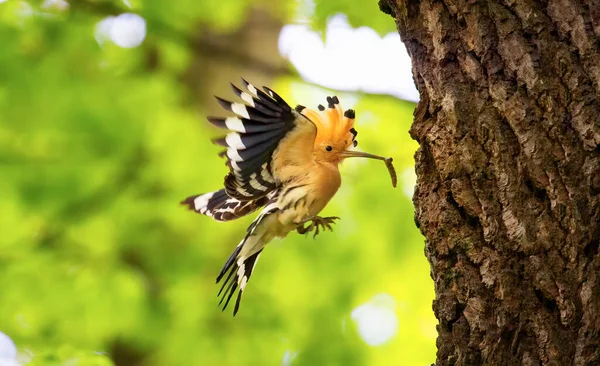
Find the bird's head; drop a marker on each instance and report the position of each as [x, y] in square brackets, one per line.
[336, 135]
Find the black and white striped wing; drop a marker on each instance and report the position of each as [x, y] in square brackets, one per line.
[255, 132]
[221, 207]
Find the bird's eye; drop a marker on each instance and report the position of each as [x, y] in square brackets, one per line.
[328, 148]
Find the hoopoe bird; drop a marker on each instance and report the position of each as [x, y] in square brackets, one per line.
[285, 160]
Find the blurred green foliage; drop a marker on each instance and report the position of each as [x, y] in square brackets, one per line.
[98, 262]
[359, 14]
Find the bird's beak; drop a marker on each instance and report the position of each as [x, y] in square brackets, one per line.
[388, 161]
[360, 154]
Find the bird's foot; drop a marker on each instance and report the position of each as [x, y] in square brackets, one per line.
[317, 223]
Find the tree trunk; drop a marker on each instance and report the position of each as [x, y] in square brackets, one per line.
[508, 167]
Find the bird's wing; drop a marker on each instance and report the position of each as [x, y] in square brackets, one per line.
[264, 126]
[221, 207]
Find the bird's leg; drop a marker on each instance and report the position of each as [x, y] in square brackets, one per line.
[317, 222]
[303, 230]
[324, 222]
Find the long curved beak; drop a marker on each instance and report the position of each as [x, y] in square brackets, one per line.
[360, 154]
[388, 162]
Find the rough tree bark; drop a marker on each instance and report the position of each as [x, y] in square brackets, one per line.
[508, 168]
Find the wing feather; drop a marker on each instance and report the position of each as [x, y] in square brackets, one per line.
[261, 124]
[221, 207]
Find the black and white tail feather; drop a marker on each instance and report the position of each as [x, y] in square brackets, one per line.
[241, 262]
[259, 125]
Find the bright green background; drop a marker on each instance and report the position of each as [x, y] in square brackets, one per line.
[98, 259]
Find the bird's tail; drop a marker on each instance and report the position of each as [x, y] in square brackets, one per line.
[221, 207]
[238, 269]
[242, 261]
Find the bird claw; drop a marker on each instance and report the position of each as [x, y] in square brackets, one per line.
[318, 223]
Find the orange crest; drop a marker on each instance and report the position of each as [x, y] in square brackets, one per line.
[334, 126]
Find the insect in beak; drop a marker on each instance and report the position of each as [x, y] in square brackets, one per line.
[388, 162]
